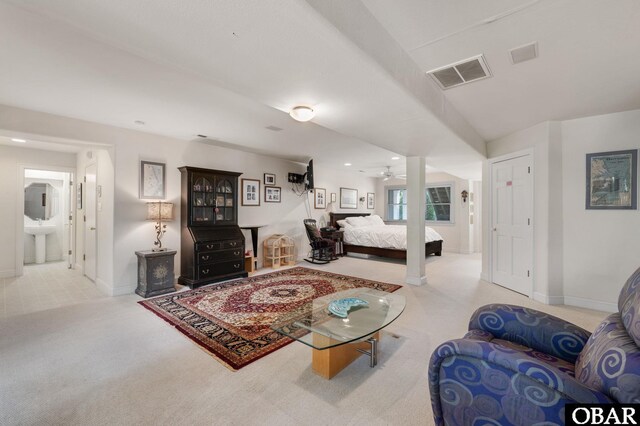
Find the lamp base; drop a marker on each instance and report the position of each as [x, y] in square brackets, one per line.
[159, 249]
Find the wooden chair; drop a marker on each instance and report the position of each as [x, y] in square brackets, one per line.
[323, 250]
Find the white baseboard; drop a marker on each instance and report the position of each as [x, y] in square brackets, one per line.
[104, 287]
[548, 300]
[416, 280]
[121, 290]
[79, 267]
[590, 304]
[8, 273]
[484, 277]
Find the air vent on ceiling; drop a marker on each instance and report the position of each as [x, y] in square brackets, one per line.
[462, 72]
[524, 53]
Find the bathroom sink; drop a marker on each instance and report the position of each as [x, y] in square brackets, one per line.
[40, 230]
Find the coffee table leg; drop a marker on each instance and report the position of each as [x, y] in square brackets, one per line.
[372, 353]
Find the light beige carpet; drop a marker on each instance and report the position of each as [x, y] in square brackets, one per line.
[109, 362]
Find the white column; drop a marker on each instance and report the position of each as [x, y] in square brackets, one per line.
[416, 209]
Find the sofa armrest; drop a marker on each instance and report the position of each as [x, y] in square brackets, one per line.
[473, 363]
[537, 330]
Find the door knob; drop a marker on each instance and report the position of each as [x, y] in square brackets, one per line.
[92, 228]
[495, 229]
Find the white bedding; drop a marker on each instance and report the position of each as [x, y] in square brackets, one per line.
[384, 236]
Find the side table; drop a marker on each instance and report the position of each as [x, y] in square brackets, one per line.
[337, 237]
[155, 272]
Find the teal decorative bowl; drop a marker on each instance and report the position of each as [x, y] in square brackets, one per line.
[341, 307]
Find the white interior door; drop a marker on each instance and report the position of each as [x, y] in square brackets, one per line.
[90, 222]
[512, 242]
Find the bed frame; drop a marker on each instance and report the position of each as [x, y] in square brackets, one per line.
[433, 247]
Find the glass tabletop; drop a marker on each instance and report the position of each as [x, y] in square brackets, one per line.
[315, 326]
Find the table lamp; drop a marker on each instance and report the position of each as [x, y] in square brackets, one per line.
[159, 212]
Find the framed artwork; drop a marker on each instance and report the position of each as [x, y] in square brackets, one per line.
[371, 200]
[348, 198]
[320, 198]
[269, 179]
[250, 192]
[611, 180]
[272, 194]
[152, 180]
[333, 197]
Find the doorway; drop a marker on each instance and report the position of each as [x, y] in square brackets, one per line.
[44, 223]
[512, 222]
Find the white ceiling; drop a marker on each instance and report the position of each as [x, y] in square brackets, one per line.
[228, 69]
[588, 60]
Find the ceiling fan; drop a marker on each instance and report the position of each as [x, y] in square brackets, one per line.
[388, 175]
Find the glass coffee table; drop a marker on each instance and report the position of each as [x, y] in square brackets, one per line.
[338, 341]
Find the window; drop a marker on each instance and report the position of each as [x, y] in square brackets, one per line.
[438, 198]
[439, 204]
[397, 204]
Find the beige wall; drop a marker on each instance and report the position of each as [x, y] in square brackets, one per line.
[582, 257]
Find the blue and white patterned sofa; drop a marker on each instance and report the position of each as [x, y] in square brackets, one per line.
[521, 366]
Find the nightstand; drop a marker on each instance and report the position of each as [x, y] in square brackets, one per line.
[337, 237]
[155, 272]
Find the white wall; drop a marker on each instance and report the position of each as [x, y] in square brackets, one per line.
[122, 228]
[458, 237]
[600, 246]
[11, 159]
[582, 257]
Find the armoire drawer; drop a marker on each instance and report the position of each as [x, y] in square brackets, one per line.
[220, 255]
[231, 244]
[222, 268]
[208, 246]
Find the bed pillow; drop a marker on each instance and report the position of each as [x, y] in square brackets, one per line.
[357, 221]
[343, 224]
[375, 220]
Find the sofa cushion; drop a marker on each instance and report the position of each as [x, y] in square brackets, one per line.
[629, 305]
[610, 362]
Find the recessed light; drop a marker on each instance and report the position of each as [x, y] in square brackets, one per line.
[18, 140]
[302, 113]
[139, 122]
[347, 164]
[381, 173]
[395, 158]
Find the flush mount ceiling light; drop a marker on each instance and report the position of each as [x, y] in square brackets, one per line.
[302, 113]
[18, 140]
[395, 158]
[347, 164]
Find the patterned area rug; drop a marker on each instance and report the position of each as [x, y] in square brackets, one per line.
[231, 320]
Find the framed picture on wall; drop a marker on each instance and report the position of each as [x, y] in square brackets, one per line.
[333, 197]
[348, 198]
[152, 180]
[250, 192]
[320, 198]
[371, 200]
[272, 194]
[269, 179]
[611, 180]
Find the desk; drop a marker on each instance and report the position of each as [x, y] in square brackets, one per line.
[254, 239]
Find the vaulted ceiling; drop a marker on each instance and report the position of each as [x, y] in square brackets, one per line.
[229, 69]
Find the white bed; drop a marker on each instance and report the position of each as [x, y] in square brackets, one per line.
[371, 231]
[385, 236]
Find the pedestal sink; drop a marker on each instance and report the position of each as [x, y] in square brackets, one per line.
[40, 232]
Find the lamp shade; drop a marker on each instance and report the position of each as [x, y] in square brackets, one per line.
[160, 211]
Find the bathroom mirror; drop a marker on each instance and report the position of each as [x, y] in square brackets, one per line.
[40, 201]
